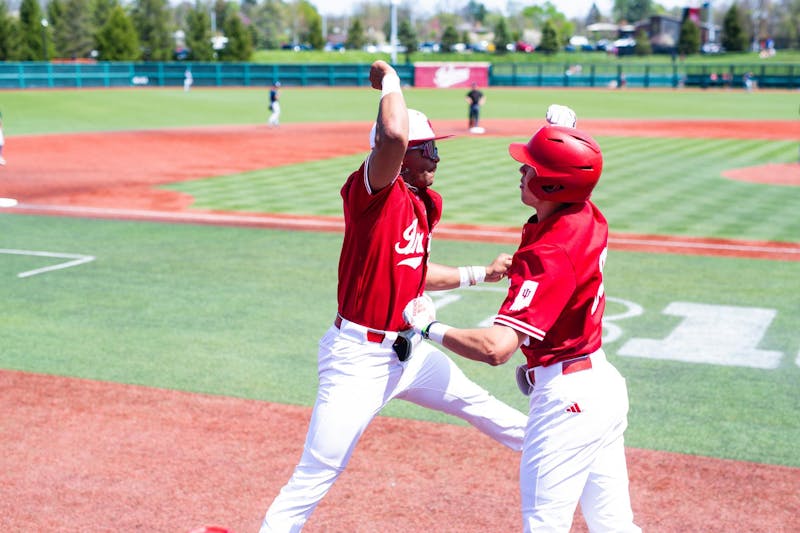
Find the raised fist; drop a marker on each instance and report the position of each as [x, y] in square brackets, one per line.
[377, 71]
[561, 115]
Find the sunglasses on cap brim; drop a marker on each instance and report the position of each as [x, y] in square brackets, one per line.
[429, 150]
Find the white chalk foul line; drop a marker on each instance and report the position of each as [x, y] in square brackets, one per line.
[76, 259]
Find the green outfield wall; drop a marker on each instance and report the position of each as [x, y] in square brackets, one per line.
[38, 75]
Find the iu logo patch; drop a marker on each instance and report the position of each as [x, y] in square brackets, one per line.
[525, 295]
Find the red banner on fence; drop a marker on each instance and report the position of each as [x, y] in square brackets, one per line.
[446, 75]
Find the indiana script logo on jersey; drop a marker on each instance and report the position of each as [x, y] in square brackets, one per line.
[411, 245]
[525, 295]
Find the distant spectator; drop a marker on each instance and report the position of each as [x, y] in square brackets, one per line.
[727, 79]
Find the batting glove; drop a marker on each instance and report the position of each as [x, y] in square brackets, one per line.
[561, 115]
[420, 312]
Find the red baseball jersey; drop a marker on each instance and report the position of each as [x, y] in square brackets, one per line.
[384, 257]
[556, 295]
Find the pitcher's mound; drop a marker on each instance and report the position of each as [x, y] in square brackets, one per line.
[771, 174]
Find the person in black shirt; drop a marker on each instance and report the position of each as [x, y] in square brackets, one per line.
[475, 99]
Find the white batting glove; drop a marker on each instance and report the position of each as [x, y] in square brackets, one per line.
[561, 115]
[420, 312]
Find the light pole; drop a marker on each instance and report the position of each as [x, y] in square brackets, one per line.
[44, 39]
[393, 32]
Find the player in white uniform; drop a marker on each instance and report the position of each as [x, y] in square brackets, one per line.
[370, 355]
[553, 312]
[275, 105]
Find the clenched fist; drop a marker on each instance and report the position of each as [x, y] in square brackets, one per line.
[561, 115]
[420, 312]
[377, 71]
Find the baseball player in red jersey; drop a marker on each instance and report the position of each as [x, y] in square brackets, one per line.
[370, 355]
[573, 449]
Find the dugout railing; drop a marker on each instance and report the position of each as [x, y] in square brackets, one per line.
[38, 75]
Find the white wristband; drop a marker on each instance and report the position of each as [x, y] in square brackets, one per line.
[390, 84]
[471, 275]
[435, 332]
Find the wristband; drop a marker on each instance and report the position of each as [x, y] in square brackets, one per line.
[390, 84]
[471, 275]
[435, 331]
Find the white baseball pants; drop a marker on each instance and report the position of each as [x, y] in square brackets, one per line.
[275, 114]
[356, 380]
[574, 450]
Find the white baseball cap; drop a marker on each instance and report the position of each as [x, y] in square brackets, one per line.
[419, 129]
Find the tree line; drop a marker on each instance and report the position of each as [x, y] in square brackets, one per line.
[152, 30]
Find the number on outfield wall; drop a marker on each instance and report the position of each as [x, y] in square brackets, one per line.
[713, 334]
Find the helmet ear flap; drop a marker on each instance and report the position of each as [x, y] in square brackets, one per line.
[541, 191]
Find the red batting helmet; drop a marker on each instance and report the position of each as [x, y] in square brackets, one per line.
[567, 161]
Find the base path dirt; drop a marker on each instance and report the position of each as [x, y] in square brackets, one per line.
[115, 174]
[80, 455]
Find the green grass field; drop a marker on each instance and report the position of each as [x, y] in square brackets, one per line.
[238, 312]
[38, 112]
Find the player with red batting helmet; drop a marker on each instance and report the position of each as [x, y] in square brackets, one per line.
[553, 312]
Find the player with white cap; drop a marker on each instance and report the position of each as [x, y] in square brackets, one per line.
[370, 355]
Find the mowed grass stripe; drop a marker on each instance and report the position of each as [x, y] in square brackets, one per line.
[659, 186]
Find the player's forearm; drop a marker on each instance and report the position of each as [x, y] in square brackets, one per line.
[443, 277]
[392, 122]
[471, 344]
[494, 345]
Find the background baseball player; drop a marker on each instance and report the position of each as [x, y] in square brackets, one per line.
[475, 99]
[275, 105]
[188, 79]
[370, 356]
[553, 312]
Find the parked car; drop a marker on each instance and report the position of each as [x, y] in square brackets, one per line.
[712, 48]
[383, 48]
[296, 47]
[522, 46]
[482, 46]
[623, 47]
[604, 45]
[181, 54]
[429, 47]
[579, 42]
